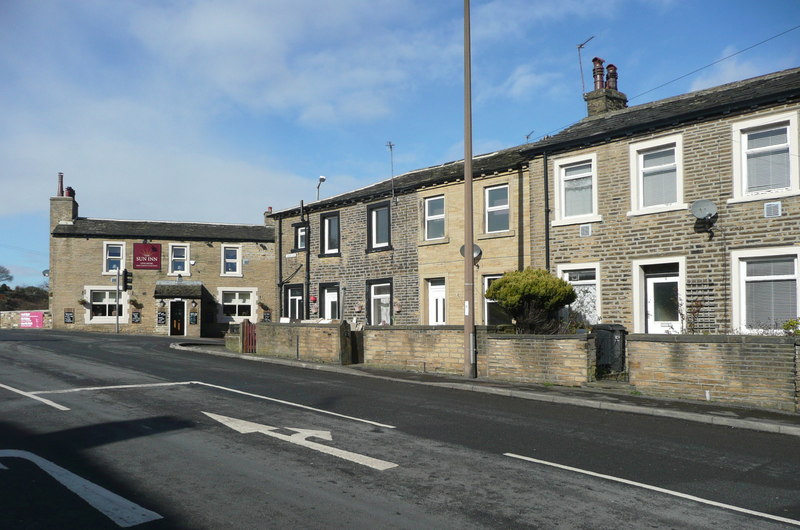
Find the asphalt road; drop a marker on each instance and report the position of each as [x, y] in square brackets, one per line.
[100, 431]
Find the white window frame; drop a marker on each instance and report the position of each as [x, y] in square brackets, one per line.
[373, 297]
[302, 236]
[738, 259]
[238, 261]
[637, 151]
[373, 226]
[435, 217]
[123, 301]
[638, 277]
[560, 166]
[222, 318]
[740, 130]
[106, 244]
[188, 268]
[487, 208]
[326, 228]
[563, 270]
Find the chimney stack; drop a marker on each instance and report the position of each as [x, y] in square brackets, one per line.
[605, 97]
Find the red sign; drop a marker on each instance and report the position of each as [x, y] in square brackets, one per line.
[33, 319]
[147, 256]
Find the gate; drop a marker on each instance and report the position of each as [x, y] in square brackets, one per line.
[248, 336]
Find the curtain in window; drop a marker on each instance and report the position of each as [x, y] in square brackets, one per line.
[767, 160]
[578, 196]
[659, 178]
[771, 301]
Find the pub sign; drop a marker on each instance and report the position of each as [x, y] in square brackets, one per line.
[147, 256]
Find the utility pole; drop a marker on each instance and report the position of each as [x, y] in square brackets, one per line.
[469, 271]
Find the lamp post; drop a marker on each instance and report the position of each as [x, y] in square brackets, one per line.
[469, 272]
[321, 180]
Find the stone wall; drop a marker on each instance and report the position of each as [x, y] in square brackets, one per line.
[13, 320]
[565, 360]
[747, 370]
[436, 349]
[325, 343]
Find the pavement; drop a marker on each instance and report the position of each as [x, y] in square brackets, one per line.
[612, 396]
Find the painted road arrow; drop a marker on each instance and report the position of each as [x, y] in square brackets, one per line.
[300, 437]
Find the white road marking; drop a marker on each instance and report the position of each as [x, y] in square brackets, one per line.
[33, 396]
[120, 510]
[296, 405]
[113, 387]
[300, 438]
[656, 488]
[178, 383]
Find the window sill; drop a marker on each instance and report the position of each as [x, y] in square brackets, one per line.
[659, 209]
[428, 242]
[330, 255]
[379, 249]
[496, 235]
[231, 275]
[181, 274]
[107, 320]
[764, 196]
[297, 250]
[577, 220]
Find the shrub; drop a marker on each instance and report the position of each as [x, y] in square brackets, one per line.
[533, 298]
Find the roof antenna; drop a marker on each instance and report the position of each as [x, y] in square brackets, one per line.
[580, 62]
[390, 145]
[528, 136]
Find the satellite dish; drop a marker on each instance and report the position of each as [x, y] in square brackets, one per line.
[704, 209]
[476, 251]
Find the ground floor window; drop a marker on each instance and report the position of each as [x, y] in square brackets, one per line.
[236, 304]
[379, 295]
[293, 302]
[584, 280]
[765, 288]
[329, 301]
[103, 307]
[493, 314]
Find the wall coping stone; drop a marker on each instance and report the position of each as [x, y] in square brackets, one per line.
[542, 338]
[715, 339]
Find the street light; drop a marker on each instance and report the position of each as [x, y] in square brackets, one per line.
[321, 180]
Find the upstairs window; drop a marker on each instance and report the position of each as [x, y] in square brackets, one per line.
[231, 260]
[657, 175]
[179, 260]
[434, 218]
[379, 226]
[576, 190]
[497, 209]
[765, 157]
[300, 237]
[113, 257]
[329, 232]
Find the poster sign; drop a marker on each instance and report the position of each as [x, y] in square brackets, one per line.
[69, 316]
[147, 256]
[136, 317]
[161, 318]
[31, 319]
[193, 317]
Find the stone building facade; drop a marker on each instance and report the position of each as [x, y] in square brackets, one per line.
[188, 279]
[678, 215]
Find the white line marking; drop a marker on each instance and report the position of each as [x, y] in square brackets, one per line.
[120, 510]
[296, 405]
[114, 387]
[299, 438]
[233, 390]
[656, 488]
[37, 398]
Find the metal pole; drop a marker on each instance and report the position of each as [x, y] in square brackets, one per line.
[469, 273]
[116, 301]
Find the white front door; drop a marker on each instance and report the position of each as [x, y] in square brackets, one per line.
[436, 303]
[663, 304]
[330, 311]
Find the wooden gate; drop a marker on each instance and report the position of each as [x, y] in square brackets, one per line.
[248, 337]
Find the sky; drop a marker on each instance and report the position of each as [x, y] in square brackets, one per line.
[213, 111]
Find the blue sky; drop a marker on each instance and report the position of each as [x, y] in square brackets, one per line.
[196, 110]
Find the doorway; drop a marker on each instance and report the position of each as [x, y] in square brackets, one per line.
[436, 302]
[663, 304]
[177, 317]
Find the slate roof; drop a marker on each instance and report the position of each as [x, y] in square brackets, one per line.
[178, 289]
[85, 227]
[729, 98]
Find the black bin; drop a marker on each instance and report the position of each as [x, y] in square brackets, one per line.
[610, 346]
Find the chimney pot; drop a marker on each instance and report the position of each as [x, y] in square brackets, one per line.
[60, 192]
[611, 77]
[69, 192]
[598, 72]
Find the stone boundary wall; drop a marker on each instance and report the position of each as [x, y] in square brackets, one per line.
[436, 349]
[323, 343]
[566, 360]
[746, 370]
[11, 319]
